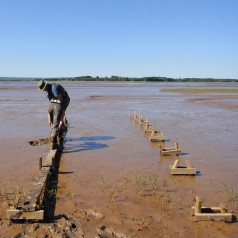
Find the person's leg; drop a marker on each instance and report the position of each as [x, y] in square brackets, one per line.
[50, 119]
[55, 112]
[62, 126]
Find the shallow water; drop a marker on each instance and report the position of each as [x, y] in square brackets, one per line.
[102, 108]
[102, 142]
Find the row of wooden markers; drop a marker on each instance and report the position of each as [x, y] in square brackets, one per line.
[158, 136]
[200, 213]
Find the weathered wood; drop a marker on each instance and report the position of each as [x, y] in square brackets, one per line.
[148, 129]
[198, 205]
[175, 169]
[16, 214]
[223, 208]
[138, 119]
[33, 203]
[209, 213]
[36, 195]
[157, 136]
[183, 171]
[205, 210]
[142, 122]
[40, 163]
[227, 217]
[176, 162]
[133, 115]
[50, 156]
[170, 151]
[31, 207]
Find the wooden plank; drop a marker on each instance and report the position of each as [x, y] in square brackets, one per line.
[223, 208]
[32, 205]
[36, 195]
[175, 164]
[157, 136]
[138, 119]
[141, 123]
[25, 215]
[198, 205]
[209, 213]
[133, 115]
[226, 217]
[204, 209]
[17, 200]
[183, 171]
[149, 129]
[50, 156]
[170, 152]
[175, 169]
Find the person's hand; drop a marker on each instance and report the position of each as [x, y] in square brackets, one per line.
[60, 97]
[49, 121]
[60, 124]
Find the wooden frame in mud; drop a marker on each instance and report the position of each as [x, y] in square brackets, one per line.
[142, 122]
[210, 213]
[175, 169]
[148, 129]
[133, 115]
[170, 151]
[157, 136]
[31, 208]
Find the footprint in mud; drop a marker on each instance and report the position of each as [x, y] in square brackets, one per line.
[39, 142]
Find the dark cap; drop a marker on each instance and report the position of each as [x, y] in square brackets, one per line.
[41, 85]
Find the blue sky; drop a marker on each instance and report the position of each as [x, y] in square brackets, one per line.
[134, 38]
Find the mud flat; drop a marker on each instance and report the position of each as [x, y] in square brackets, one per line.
[112, 181]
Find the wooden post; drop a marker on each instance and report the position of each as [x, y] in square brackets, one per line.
[198, 205]
[30, 207]
[53, 163]
[175, 164]
[223, 208]
[40, 163]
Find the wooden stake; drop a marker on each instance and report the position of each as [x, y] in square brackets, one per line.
[40, 163]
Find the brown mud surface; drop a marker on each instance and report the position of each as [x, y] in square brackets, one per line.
[112, 181]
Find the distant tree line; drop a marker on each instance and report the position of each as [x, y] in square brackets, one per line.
[143, 79]
[119, 78]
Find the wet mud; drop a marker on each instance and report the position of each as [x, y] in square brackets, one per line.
[112, 181]
[39, 142]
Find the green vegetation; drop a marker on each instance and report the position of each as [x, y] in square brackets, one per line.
[201, 90]
[143, 79]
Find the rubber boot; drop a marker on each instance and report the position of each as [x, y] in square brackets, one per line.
[60, 142]
[53, 144]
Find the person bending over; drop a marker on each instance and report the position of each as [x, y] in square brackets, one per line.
[58, 103]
